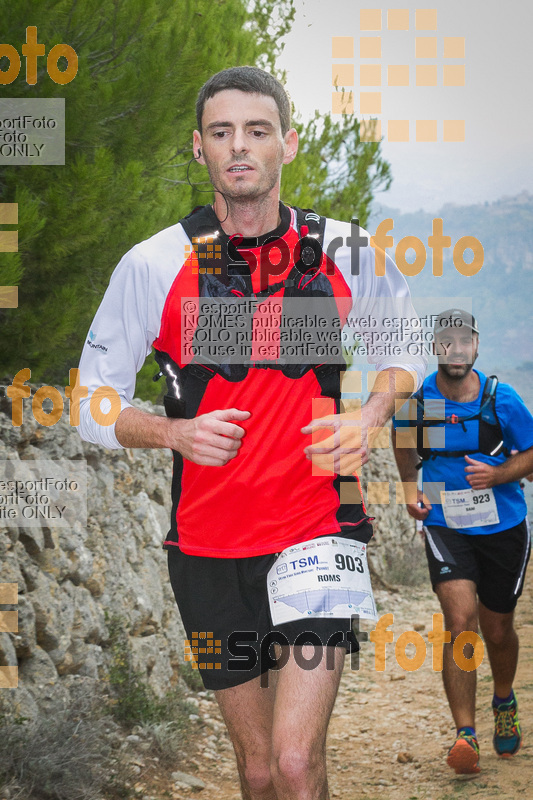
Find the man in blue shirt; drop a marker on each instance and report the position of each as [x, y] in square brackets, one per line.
[464, 436]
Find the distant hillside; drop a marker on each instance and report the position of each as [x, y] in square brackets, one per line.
[502, 291]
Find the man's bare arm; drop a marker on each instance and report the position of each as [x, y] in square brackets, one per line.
[390, 385]
[407, 459]
[349, 447]
[210, 439]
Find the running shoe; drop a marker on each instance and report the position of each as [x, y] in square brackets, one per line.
[507, 734]
[463, 755]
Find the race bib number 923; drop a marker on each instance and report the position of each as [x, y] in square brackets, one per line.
[469, 508]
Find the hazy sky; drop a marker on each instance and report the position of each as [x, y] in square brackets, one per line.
[496, 157]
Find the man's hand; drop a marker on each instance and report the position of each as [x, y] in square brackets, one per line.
[210, 439]
[483, 476]
[480, 475]
[416, 510]
[347, 448]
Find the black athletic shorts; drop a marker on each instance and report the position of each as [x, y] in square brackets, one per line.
[496, 562]
[223, 603]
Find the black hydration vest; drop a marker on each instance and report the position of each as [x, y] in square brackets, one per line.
[186, 385]
[490, 431]
[233, 281]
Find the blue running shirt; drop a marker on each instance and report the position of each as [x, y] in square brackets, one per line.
[517, 425]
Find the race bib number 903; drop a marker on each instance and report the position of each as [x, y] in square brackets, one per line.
[326, 577]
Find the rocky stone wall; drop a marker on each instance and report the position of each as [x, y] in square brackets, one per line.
[396, 552]
[71, 581]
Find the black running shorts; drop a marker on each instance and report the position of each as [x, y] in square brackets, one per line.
[495, 562]
[223, 603]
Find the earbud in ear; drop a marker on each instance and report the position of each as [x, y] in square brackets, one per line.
[199, 153]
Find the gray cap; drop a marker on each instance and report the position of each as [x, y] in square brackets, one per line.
[455, 318]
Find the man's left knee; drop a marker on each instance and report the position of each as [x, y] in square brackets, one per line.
[498, 633]
[292, 766]
[257, 777]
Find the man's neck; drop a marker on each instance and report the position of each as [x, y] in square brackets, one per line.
[463, 390]
[249, 218]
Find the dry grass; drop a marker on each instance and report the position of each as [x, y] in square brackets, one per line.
[66, 757]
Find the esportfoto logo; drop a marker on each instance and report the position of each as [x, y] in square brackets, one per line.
[244, 652]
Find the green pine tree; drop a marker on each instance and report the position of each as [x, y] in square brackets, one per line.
[129, 118]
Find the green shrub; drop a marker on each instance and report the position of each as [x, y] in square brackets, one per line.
[133, 701]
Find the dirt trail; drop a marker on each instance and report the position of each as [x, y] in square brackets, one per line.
[390, 731]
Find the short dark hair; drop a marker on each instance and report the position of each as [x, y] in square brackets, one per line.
[246, 79]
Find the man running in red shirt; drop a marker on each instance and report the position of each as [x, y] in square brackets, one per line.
[249, 486]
